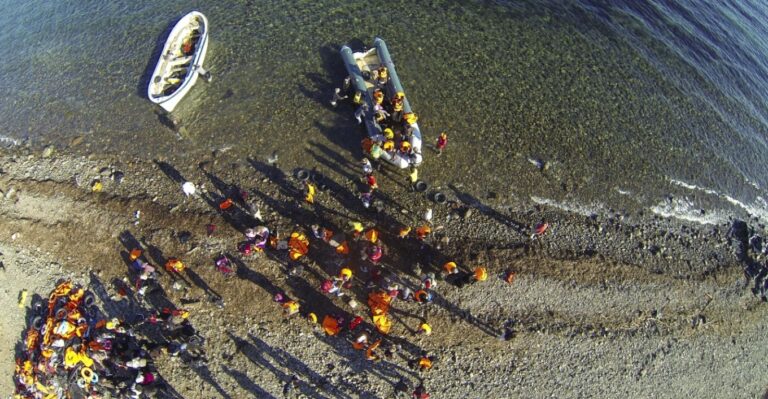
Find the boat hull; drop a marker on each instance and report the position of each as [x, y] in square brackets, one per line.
[162, 90]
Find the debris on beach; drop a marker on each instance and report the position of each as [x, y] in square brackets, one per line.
[538, 163]
[97, 186]
[539, 229]
[71, 350]
[188, 188]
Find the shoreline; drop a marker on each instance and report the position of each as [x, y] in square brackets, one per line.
[620, 291]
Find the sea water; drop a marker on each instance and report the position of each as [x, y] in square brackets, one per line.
[655, 105]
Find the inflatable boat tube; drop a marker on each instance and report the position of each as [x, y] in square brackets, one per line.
[358, 82]
[394, 86]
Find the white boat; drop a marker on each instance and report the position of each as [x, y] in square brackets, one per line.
[180, 62]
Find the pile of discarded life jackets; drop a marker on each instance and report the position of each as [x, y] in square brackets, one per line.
[69, 350]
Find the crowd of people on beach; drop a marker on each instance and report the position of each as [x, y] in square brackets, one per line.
[115, 355]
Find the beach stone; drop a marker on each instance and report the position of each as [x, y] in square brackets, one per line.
[76, 141]
[48, 151]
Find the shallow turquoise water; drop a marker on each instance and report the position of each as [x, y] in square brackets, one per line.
[602, 93]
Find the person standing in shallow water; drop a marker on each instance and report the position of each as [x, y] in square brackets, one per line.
[413, 176]
[442, 141]
[367, 167]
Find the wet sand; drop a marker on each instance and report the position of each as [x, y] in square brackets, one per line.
[614, 305]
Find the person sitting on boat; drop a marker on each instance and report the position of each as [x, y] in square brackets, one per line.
[397, 109]
[410, 118]
[388, 146]
[380, 115]
[381, 76]
[376, 150]
[357, 98]
[361, 112]
[187, 46]
[367, 144]
[389, 134]
[378, 97]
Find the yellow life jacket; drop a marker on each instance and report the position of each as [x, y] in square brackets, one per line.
[345, 274]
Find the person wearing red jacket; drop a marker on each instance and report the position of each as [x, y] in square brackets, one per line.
[442, 141]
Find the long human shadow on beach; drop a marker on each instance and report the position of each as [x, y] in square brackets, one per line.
[334, 161]
[247, 384]
[170, 171]
[268, 357]
[464, 314]
[322, 304]
[276, 175]
[238, 214]
[156, 296]
[246, 273]
[213, 296]
[208, 377]
[474, 203]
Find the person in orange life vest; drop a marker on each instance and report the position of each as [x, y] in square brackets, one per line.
[290, 307]
[422, 232]
[388, 146]
[450, 268]
[187, 46]
[405, 147]
[174, 265]
[370, 353]
[422, 296]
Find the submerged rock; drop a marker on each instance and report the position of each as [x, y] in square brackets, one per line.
[48, 151]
